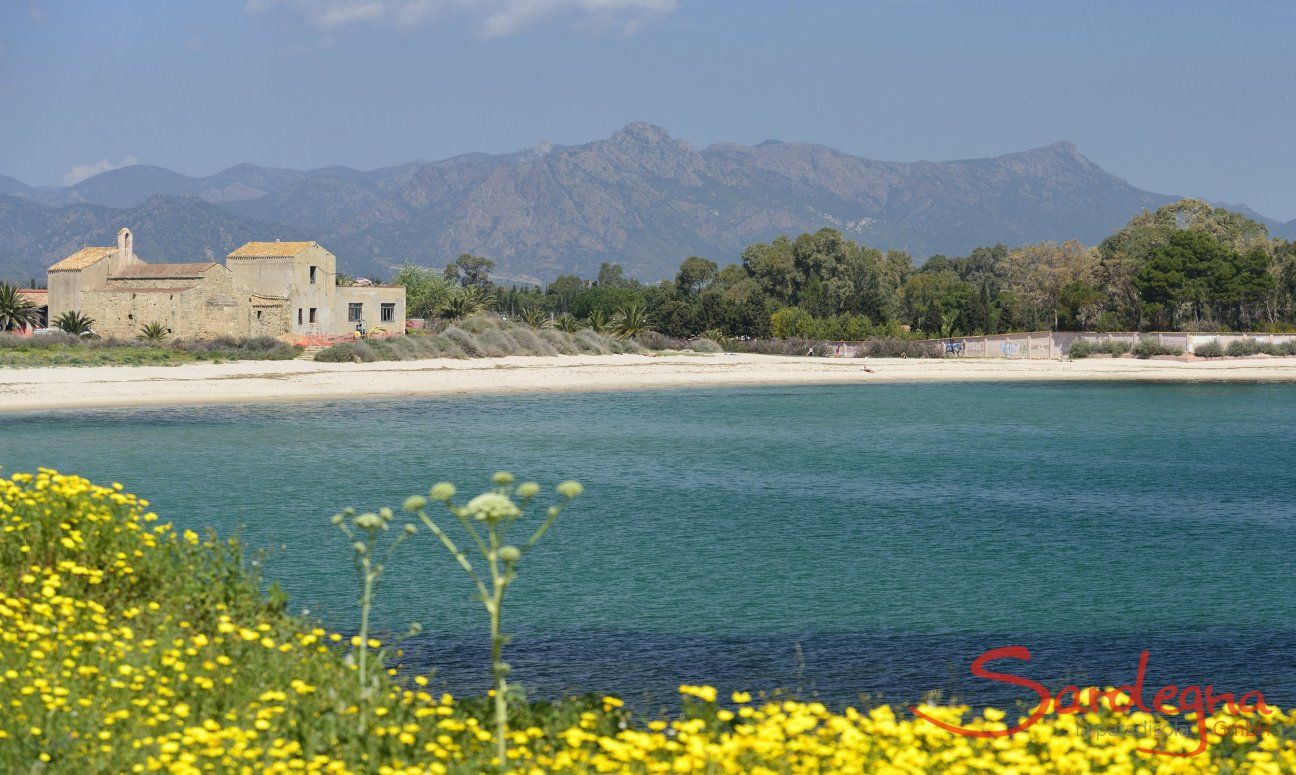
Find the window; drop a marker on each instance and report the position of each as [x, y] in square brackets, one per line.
[355, 312]
[258, 314]
[388, 313]
[312, 315]
[313, 272]
[299, 316]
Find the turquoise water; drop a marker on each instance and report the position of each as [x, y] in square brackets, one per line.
[852, 539]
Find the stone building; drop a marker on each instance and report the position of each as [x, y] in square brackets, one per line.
[262, 289]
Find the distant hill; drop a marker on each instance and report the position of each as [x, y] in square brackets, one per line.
[33, 236]
[639, 197]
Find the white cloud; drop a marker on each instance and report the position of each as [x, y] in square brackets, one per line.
[492, 18]
[82, 171]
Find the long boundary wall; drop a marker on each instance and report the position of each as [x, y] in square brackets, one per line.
[1054, 344]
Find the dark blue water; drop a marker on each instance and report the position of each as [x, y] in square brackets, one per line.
[838, 541]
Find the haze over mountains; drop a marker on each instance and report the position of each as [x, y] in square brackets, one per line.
[639, 197]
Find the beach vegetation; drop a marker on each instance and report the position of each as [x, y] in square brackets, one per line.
[153, 332]
[631, 319]
[1081, 348]
[64, 349]
[1149, 346]
[75, 323]
[1212, 349]
[481, 336]
[16, 310]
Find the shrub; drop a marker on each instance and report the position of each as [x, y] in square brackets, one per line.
[703, 345]
[1242, 347]
[1081, 348]
[1211, 349]
[476, 337]
[1148, 346]
[346, 352]
[900, 348]
[1113, 347]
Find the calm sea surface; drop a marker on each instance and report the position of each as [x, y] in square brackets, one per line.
[833, 540]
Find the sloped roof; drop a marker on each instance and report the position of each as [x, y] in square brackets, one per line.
[270, 249]
[82, 259]
[158, 271]
[115, 289]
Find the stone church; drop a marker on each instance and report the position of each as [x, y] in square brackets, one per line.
[263, 289]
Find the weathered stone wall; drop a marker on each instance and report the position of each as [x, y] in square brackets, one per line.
[123, 313]
[269, 319]
[65, 288]
[291, 277]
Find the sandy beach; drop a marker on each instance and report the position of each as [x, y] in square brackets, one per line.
[263, 381]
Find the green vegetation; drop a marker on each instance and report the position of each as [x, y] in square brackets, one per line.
[1084, 348]
[1211, 349]
[75, 323]
[64, 349]
[16, 310]
[153, 332]
[1148, 347]
[476, 337]
[1186, 266]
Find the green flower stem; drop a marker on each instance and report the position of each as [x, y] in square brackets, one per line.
[454, 550]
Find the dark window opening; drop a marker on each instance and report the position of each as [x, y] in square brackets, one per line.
[388, 313]
[299, 316]
[312, 315]
[313, 271]
[258, 314]
[355, 312]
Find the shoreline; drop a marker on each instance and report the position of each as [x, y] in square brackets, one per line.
[241, 382]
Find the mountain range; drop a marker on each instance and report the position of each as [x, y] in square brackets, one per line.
[640, 198]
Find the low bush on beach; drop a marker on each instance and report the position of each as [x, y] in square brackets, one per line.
[1211, 349]
[1244, 347]
[1081, 348]
[1148, 346]
[129, 646]
[62, 349]
[900, 348]
[492, 337]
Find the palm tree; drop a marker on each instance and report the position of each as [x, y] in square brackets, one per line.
[631, 320]
[153, 332]
[75, 323]
[16, 310]
[717, 336]
[598, 320]
[534, 317]
[567, 322]
[464, 302]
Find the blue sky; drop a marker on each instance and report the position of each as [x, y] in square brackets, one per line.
[1178, 97]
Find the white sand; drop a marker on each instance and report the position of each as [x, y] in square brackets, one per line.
[250, 381]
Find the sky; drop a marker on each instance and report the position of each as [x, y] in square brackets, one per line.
[1186, 97]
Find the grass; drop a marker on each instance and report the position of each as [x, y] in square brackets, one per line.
[127, 646]
[66, 350]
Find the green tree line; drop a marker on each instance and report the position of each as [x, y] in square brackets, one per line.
[1185, 266]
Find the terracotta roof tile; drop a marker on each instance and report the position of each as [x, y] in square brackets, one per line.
[270, 249]
[156, 271]
[82, 259]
